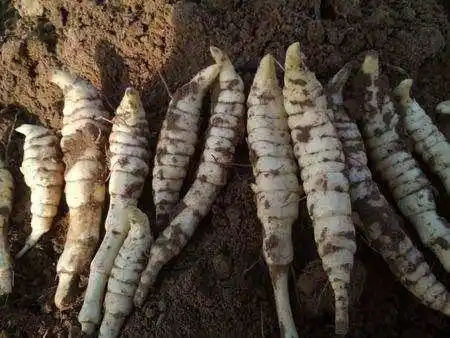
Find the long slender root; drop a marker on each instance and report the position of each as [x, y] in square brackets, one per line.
[396, 166]
[128, 145]
[6, 197]
[277, 190]
[322, 166]
[225, 124]
[380, 223]
[177, 141]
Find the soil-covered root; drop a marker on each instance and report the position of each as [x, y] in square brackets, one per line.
[43, 172]
[276, 188]
[379, 222]
[224, 129]
[320, 156]
[177, 141]
[84, 137]
[128, 145]
[6, 201]
[408, 184]
[429, 142]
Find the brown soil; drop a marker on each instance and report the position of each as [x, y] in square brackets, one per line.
[219, 285]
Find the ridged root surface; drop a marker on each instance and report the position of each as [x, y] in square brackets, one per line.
[128, 147]
[84, 138]
[224, 128]
[322, 166]
[177, 141]
[6, 199]
[276, 188]
[380, 224]
[43, 172]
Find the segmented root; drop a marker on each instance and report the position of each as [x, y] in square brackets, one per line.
[177, 141]
[429, 142]
[380, 223]
[83, 142]
[277, 190]
[408, 184]
[43, 172]
[128, 144]
[6, 197]
[225, 124]
[125, 273]
[322, 166]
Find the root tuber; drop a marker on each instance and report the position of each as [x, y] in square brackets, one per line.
[225, 124]
[322, 167]
[43, 172]
[84, 137]
[177, 141]
[6, 200]
[380, 224]
[397, 167]
[277, 190]
[124, 278]
[128, 144]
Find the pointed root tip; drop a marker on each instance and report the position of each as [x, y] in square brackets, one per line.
[87, 327]
[6, 279]
[30, 242]
[61, 77]
[294, 57]
[24, 129]
[266, 73]
[206, 76]
[131, 92]
[403, 90]
[23, 251]
[139, 298]
[63, 297]
[218, 55]
[132, 96]
[443, 108]
[370, 64]
[338, 81]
